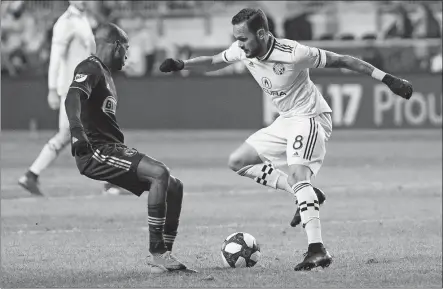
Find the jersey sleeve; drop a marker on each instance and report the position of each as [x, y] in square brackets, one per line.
[86, 76]
[233, 53]
[309, 57]
[63, 32]
[62, 35]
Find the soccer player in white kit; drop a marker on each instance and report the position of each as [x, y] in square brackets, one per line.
[298, 136]
[72, 42]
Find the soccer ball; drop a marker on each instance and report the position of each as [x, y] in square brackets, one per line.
[240, 250]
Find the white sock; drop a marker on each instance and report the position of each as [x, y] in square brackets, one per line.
[50, 152]
[282, 183]
[44, 159]
[309, 210]
[267, 175]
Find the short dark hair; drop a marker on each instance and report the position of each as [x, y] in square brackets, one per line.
[255, 19]
[110, 32]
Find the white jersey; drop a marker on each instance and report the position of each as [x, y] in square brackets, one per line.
[74, 41]
[283, 73]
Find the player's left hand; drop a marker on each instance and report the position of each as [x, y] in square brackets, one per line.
[398, 86]
[170, 65]
[80, 144]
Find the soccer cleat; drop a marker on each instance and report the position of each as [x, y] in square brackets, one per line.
[314, 259]
[161, 263]
[321, 199]
[153, 267]
[31, 185]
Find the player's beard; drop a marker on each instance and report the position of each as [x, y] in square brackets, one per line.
[119, 63]
[254, 51]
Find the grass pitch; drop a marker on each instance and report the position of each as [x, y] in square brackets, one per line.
[382, 220]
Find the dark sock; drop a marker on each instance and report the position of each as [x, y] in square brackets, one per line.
[174, 201]
[156, 222]
[169, 240]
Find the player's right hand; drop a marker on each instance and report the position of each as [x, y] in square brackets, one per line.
[170, 65]
[80, 144]
[53, 99]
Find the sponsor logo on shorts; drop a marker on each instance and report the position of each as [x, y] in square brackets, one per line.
[80, 77]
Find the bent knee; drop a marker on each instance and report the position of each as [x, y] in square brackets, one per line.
[244, 156]
[175, 184]
[163, 173]
[235, 162]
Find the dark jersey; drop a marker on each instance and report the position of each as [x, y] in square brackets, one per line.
[98, 109]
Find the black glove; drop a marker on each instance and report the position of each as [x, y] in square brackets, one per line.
[80, 144]
[398, 86]
[172, 65]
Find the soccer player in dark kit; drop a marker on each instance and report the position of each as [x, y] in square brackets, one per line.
[97, 144]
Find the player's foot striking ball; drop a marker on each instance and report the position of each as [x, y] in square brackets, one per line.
[321, 199]
[97, 143]
[315, 257]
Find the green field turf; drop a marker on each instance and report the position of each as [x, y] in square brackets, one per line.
[382, 220]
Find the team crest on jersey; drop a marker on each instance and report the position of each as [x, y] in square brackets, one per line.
[266, 82]
[109, 105]
[129, 152]
[279, 68]
[80, 77]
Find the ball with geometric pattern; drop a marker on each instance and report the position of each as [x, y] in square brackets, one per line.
[240, 250]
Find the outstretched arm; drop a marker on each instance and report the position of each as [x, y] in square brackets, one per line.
[397, 85]
[62, 35]
[201, 63]
[334, 60]
[205, 63]
[312, 57]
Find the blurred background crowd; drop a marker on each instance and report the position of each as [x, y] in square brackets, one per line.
[396, 36]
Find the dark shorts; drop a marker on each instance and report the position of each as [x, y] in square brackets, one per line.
[116, 164]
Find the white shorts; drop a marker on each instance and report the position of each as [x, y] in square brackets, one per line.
[63, 122]
[294, 141]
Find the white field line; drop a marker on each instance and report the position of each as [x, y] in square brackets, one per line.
[222, 226]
